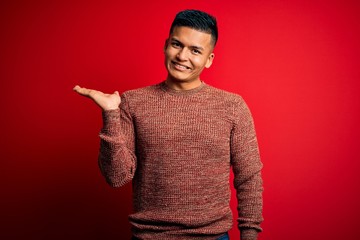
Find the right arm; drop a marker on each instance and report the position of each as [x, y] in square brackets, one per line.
[117, 159]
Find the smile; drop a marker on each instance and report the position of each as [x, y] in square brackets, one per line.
[179, 66]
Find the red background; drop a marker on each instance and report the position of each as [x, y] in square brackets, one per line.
[296, 63]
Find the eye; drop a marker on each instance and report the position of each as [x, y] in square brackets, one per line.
[175, 44]
[196, 51]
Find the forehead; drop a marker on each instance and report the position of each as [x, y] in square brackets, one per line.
[191, 37]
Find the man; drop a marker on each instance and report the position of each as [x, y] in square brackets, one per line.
[177, 140]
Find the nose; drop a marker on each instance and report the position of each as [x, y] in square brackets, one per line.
[182, 54]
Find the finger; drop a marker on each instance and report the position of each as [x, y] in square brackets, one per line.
[83, 91]
[77, 88]
[116, 92]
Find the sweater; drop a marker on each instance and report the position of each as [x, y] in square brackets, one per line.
[177, 148]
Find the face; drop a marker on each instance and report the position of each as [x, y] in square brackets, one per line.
[187, 53]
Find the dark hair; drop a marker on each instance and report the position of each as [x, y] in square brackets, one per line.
[197, 20]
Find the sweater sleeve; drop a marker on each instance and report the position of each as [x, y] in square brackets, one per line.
[117, 161]
[246, 164]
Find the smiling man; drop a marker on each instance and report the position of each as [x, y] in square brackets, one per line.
[187, 53]
[177, 141]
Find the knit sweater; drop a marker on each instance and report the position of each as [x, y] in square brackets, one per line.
[178, 147]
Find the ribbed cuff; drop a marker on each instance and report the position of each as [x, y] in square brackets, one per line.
[248, 234]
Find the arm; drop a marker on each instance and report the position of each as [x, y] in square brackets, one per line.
[117, 159]
[246, 164]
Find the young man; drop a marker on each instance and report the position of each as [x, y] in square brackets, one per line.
[178, 139]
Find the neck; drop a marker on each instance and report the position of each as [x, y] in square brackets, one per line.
[183, 85]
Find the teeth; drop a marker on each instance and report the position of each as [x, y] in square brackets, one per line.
[181, 66]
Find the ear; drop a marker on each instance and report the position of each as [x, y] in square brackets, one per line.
[210, 60]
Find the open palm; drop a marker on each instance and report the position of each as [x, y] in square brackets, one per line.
[104, 100]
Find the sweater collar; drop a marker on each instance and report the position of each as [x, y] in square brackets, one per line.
[171, 91]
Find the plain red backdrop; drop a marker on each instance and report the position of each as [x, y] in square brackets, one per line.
[296, 63]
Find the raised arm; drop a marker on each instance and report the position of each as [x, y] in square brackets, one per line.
[117, 161]
[245, 160]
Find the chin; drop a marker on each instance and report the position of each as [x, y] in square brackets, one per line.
[179, 79]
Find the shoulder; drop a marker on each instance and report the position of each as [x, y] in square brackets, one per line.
[141, 94]
[233, 102]
[136, 99]
[225, 96]
[142, 91]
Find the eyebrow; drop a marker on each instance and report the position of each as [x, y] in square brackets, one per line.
[193, 47]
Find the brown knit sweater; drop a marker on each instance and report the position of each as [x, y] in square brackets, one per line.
[178, 147]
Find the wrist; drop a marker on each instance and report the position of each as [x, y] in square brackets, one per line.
[110, 108]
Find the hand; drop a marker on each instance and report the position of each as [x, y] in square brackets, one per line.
[104, 100]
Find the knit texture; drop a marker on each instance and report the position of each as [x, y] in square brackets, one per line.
[178, 147]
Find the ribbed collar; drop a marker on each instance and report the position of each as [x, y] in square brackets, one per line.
[171, 91]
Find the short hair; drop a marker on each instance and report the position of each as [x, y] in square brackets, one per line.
[197, 20]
